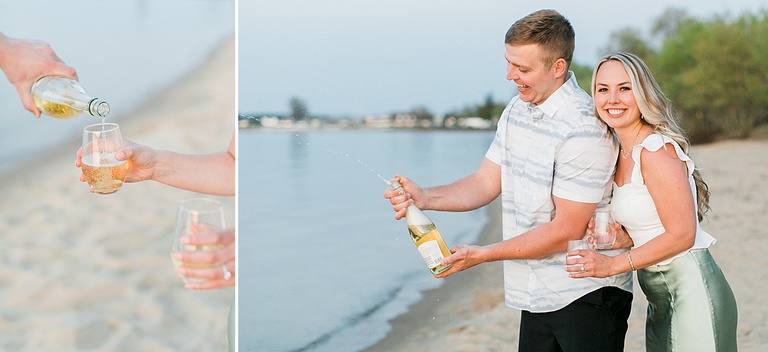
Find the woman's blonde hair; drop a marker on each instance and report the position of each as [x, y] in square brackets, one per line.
[656, 111]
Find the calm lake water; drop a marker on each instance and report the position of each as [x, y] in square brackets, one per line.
[323, 264]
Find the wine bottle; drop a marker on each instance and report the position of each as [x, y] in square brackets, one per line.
[425, 235]
[63, 98]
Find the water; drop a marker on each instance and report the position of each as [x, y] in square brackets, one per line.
[323, 264]
[123, 51]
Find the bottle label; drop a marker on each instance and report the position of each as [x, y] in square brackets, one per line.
[431, 253]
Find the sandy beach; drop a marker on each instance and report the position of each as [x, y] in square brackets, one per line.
[467, 313]
[85, 272]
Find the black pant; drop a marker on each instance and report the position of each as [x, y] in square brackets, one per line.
[595, 322]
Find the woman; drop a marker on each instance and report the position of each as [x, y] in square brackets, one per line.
[659, 198]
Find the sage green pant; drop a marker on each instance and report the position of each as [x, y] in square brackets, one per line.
[690, 305]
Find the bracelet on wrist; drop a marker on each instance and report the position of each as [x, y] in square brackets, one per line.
[629, 258]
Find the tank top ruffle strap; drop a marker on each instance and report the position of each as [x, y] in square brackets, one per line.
[653, 143]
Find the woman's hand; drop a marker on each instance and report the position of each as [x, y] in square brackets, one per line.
[593, 264]
[221, 271]
[623, 240]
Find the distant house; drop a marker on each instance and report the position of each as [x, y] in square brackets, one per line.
[477, 123]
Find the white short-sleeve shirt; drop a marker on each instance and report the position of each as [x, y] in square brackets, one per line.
[555, 148]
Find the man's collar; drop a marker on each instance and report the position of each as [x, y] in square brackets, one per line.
[550, 106]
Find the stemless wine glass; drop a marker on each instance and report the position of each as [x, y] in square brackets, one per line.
[574, 245]
[604, 232]
[196, 215]
[102, 171]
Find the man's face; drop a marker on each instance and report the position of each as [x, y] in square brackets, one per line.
[526, 67]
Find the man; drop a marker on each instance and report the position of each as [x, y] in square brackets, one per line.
[26, 61]
[552, 163]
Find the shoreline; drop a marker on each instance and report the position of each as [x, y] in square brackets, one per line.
[467, 312]
[478, 289]
[92, 272]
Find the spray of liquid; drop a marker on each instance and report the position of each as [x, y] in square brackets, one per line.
[347, 155]
[385, 180]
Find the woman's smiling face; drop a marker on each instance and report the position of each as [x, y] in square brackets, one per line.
[614, 100]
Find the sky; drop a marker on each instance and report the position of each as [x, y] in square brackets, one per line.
[357, 58]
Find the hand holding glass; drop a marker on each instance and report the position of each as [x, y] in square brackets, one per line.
[104, 173]
[604, 233]
[195, 215]
[575, 245]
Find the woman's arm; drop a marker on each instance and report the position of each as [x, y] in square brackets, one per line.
[666, 178]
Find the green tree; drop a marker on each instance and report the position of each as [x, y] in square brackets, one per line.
[668, 24]
[724, 78]
[714, 75]
[421, 113]
[583, 75]
[299, 109]
[489, 109]
[673, 59]
[486, 110]
[629, 40]
[756, 29]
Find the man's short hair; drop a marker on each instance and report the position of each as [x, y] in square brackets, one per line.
[547, 28]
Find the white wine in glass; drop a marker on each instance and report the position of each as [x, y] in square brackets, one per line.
[103, 172]
[197, 215]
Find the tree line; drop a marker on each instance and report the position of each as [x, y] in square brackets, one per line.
[715, 71]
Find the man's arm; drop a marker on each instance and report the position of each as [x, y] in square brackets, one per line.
[569, 223]
[468, 193]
